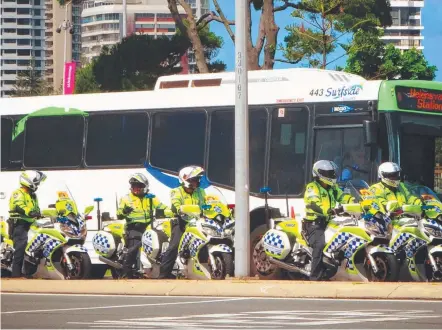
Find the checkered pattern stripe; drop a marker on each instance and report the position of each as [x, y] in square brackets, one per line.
[37, 242]
[353, 245]
[274, 240]
[338, 241]
[81, 247]
[195, 245]
[147, 242]
[50, 245]
[402, 239]
[185, 241]
[412, 246]
[225, 248]
[228, 222]
[101, 243]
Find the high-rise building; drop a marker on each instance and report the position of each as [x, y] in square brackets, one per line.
[102, 22]
[22, 39]
[406, 31]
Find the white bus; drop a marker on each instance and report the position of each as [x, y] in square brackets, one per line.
[94, 142]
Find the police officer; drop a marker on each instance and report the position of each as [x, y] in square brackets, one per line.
[390, 188]
[136, 208]
[23, 210]
[321, 197]
[188, 193]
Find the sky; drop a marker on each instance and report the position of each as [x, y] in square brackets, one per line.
[432, 32]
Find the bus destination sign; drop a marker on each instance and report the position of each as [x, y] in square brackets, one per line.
[419, 99]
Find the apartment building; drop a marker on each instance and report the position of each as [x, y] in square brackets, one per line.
[22, 38]
[102, 22]
[407, 28]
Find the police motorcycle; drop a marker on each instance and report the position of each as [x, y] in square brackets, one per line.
[6, 250]
[55, 242]
[109, 244]
[417, 236]
[356, 244]
[206, 249]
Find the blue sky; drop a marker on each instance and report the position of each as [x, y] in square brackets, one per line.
[430, 18]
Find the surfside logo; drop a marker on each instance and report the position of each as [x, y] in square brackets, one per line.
[343, 92]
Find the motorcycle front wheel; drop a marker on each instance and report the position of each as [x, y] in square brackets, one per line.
[82, 264]
[224, 266]
[388, 268]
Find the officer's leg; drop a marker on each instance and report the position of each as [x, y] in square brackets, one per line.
[20, 239]
[316, 240]
[169, 257]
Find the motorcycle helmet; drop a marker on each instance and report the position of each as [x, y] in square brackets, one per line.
[32, 179]
[325, 171]
[139, 185]
[390, 174]
[190, 176]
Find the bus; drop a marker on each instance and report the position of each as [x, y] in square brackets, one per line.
[94, 142]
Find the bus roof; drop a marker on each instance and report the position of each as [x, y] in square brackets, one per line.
[282, 86]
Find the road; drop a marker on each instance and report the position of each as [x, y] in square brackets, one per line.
[39, 311]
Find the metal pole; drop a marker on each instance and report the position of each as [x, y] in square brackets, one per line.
[242, 217]
[65, 45]
[124, 18]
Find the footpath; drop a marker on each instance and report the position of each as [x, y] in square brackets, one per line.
[230, 288]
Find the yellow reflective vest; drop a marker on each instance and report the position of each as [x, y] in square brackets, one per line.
[179, 196]
[22, 201]
[402, 194]
[141, 208]
[326, 199]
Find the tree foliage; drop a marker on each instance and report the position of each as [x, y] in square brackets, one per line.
[371, 58]
[321, 25]
[31, 82]
[138, 61]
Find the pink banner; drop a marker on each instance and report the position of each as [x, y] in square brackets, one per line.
[69, 77]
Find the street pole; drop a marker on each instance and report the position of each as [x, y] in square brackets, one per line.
[242, 217]
[65, 45]
[124, 18]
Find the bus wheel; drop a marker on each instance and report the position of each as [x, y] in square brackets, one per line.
[259, 265]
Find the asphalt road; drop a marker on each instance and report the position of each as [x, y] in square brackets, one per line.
[37, 311]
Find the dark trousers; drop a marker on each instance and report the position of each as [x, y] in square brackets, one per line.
[133, 234]
[316, 239]
[20, 240]
[169, 257]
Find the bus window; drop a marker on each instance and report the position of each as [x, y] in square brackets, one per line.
[346, 148]
[117, 139]
[178, 139]
[221, 167]
[6, 141]
[55, 141]
[288, 151]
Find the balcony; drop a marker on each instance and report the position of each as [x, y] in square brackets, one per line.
[407, 3]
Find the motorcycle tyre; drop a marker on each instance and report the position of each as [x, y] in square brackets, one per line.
[393, 268]
[255, 236]
[85, 266]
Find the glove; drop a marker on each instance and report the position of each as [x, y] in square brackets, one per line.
[35, 214]
[335, 211]
[127, 209]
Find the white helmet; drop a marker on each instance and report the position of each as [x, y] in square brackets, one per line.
[325, 171]
[190, 176]
[139, 184]
[390, 174]
[32, 179]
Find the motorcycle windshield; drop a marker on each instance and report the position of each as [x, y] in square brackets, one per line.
[62, 200]
[423, 192]
[215, 204]
[358, 189]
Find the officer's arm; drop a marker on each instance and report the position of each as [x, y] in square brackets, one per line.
[342, 197]
[120, 214]
[175, 201]
[157, 205]
[411, 198]
[313, 200]
[203, 196]
[379, 195]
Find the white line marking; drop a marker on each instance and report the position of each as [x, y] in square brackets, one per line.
[123, 306]
[338, 300]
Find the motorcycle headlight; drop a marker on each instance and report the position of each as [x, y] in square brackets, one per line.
[69, 230]
[374, 229]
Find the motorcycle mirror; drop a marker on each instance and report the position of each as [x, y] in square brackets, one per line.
[51, 206]
[88, 209]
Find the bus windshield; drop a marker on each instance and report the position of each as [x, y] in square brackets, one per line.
[420, 148]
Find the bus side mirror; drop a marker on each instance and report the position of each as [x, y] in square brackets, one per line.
[370, 133]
